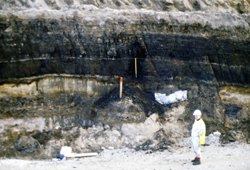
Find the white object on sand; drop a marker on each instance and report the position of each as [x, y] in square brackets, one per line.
[67, 152]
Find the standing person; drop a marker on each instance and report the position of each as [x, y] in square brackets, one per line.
[198, 136]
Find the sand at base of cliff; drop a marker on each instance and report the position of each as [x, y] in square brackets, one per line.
[217, 157]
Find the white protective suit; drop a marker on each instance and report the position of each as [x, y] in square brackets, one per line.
[198, 133]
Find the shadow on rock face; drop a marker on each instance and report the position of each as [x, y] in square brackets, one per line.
[232, 110]
[161, 141]
[134, 106]
[27, 145]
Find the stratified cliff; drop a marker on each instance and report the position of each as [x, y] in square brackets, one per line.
[87, 40]
[60, 59]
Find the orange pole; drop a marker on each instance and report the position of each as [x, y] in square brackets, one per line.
[121, 84]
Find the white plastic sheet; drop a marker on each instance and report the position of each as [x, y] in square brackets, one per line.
[177, 96]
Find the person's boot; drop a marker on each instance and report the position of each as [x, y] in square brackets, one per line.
[196, 161]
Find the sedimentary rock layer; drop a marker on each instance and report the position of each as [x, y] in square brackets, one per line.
[183, 47]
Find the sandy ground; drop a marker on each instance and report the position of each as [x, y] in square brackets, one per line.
[234, 156]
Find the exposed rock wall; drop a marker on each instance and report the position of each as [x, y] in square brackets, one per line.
[51, 84]
[169, 47]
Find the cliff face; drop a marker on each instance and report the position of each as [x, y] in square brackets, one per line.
[188, 47]
[79, 48]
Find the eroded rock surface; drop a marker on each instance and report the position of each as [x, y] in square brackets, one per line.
[60, 63]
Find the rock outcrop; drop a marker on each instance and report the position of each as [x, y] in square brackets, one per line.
[60, 60]
[186, 47]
